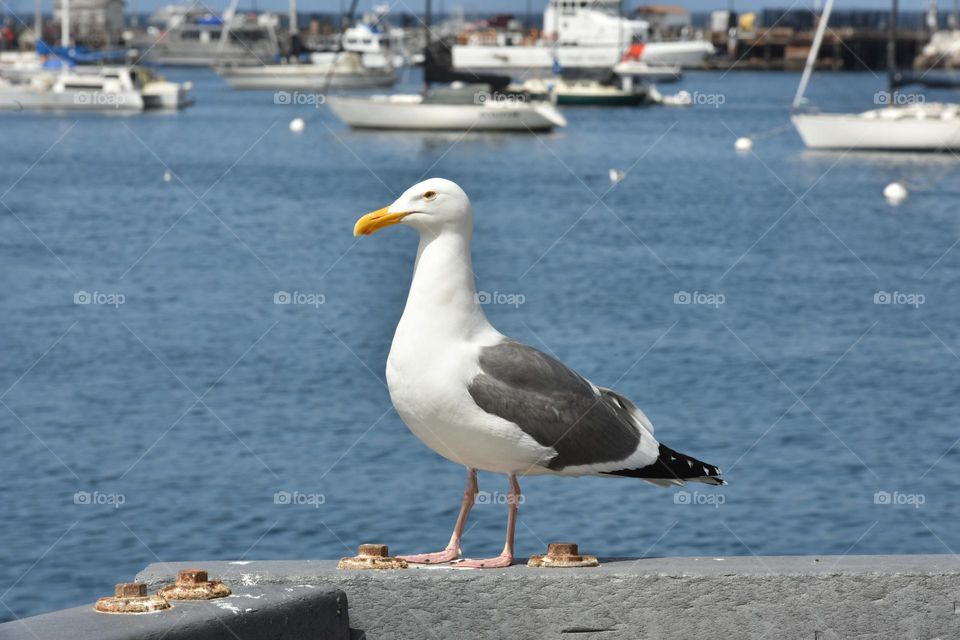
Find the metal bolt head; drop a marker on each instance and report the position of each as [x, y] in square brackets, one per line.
[374, 550]
[130, 590]
[372, 556]
[192, 576]
[562, 549]
[563, 554]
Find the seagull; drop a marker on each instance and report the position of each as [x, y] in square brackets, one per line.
[491, 403]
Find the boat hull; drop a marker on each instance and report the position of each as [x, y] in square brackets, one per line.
[410, 113]
[328, 71]
[481, 58]
[857, 131]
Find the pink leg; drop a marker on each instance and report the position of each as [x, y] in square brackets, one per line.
[505, 559]
[452, 552]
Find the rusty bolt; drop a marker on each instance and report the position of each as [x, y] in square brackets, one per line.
[563, 554]
[194, 584]
[131, 597]
[372, 556]
[130, 590]
[192, 576]
[374, 550]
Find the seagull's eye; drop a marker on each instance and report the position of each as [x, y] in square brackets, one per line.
[430, 195]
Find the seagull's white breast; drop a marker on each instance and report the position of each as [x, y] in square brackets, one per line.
[428, 380]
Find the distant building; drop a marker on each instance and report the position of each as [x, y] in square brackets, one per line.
[93, 22]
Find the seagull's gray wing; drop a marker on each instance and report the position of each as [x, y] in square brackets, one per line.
[557, 407]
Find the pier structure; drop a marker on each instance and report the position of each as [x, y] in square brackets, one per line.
[803, 597]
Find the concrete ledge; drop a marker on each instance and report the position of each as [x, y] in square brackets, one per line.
[293, 612]
[811, 598]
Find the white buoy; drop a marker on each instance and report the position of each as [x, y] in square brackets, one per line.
[895, 192]
[297, 125]
[167, 175]
[743, 144]
[616, 176]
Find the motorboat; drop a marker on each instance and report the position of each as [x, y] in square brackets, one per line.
[580, 35]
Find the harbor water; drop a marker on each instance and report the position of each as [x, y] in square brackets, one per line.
[193, 367]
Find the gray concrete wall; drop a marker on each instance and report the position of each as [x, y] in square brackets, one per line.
[291, 612]
[809, 598]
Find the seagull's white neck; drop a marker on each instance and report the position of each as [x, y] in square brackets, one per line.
[442, 304]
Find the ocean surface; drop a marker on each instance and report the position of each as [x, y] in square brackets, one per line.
[770, 312]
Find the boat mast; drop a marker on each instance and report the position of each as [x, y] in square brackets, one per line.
[426, 44]
[65, 23]
[814, 52]
[37, 21]
[892, 53]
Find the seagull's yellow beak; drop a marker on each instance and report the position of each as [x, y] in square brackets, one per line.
[376, 220]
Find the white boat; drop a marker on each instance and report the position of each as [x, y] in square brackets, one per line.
[920, 127]
[586, 92]
[109, 89]
[579, 35]
[913, 127]
[324, 71]
[416, 112]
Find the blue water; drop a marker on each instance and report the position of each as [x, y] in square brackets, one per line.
[198, 399]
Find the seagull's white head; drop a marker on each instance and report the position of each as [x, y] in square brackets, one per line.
[430, 206]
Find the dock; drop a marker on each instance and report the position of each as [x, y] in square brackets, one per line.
[808, 597]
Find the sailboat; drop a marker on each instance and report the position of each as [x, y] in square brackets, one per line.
[894, 127]
[479, 106]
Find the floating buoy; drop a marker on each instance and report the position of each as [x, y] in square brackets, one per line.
[297, 125]
[167, 175]
[616, 176]
[743, 144]
[895, 193]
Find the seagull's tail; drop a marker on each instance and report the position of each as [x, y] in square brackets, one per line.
[673, 467]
